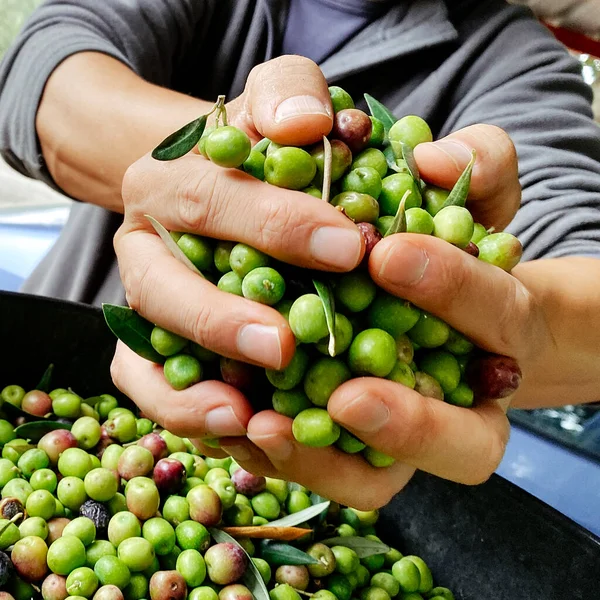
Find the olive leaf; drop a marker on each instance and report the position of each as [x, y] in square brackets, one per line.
[170, 243]
[44, 384]
[460, 191]
[362, 546]
[395, 164]
[326, 295]
[178, 144]
[301, 516]
[252, 577]
[14, 412]
[263, 532]
[327, 165]
[316, 499]
[262, 145]
[36, 430]
[379, 111]
[133, 330]
[409, 156]
[277, 554]
[399, 223]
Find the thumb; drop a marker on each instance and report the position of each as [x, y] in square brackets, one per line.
[495, 192]
[287, 99]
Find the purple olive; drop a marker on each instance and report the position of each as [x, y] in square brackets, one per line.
[108, 592]
[205, 505]
[167, 585]
[135, 462]
[353, 127]
[295, 575]
[225, 563]
[236, 374]
[29, 558]
[236, 591]
[54, 443]
[54, 587]
[248, 484]
[37, 403]
[169, 475]
[371, 237]
[472, 249]
[493, 377]
[156, 444]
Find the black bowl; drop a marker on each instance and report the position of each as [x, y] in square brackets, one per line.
[493, 541]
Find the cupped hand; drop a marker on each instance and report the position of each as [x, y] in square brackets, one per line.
[493, 308]
[287, 100]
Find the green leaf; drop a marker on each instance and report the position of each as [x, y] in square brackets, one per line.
[263, 145]
[14, 412]
[460, 191]
[399, 223]
[35, 430]
[379, 111]
[133, 330]
[326, 294]
[316, 499]
[252, 577]
[171, 244]
[44, 384]
[362, 546]
[409, 156]
[395, 164]
[327, 165]
[278, 553]
[300, 517]
[182, 141]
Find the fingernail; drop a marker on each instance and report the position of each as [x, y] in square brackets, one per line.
[221, 422]
[458, 153]
[260, 343]
[273, 445]
[238, 452]
[404, 264]
[366, 414]
[336, 247]
[297, 106]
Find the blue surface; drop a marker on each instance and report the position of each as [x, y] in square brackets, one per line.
[566, 481]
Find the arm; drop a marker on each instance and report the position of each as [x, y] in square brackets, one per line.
[110, 57]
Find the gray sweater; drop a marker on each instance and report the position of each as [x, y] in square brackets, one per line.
[454, 63]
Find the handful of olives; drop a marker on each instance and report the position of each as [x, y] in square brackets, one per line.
[345, 326]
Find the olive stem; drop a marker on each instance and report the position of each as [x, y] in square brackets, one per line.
[10, 522]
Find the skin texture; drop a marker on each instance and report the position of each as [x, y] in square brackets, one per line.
[542, 316]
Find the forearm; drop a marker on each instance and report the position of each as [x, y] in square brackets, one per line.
[97, 117]
[566, 368]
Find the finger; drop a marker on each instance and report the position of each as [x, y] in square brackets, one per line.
[463, 445]
[208, 450]
[249, 457]
[495, 193]
[229, 204]
[326, 471]
[287, 100]
[168, 294]
[207, 409]
[488, 305]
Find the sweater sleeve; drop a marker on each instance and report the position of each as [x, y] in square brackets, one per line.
[149, 36]
[525, 82]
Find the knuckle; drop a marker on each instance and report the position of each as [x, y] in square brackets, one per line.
[420, 425]
[278, 222]
[514, 323]
[138, 284]
[199, 322]
[135, 183]
[197, 195]
[491, 456]
[116, 371]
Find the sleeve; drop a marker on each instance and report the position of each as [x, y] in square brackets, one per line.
[149, 36]
[525, 82]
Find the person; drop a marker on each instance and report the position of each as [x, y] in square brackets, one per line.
[89, 88]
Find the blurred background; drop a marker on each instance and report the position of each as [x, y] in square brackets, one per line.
[553, 454]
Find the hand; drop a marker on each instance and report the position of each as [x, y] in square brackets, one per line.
[291, 105]
[490, 306]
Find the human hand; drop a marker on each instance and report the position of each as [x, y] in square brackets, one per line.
[291, 106]
[491, 307]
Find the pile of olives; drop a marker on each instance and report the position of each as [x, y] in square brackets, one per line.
[101, 504]
[369, 174]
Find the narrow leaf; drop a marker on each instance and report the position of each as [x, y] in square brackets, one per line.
[399, 223]
[362, 546]
[460, 191]
[36, 430]
[395, 164]
[133, 330]
[252, 577]
[14, 412]
[317, 499]
[182, 141]
[295, 487]
[326, 295]
[44, 384]
[277, 554]
[327, 165]
[263, 532]
[409, 156]
[300, 517]
[170, 243]
[263, 145]
[379, 111]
